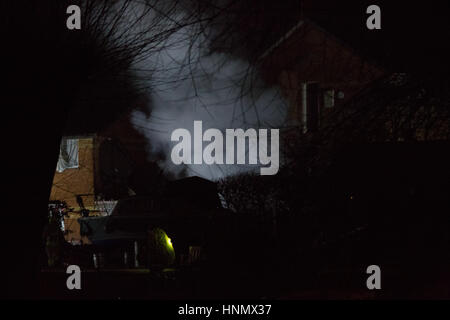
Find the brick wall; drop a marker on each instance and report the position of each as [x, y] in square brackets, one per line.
[77, 181]
[311, 55]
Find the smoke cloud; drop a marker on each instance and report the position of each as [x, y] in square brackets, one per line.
[188, 82]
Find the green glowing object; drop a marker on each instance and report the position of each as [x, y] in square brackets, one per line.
[169, 243]
[161, 251]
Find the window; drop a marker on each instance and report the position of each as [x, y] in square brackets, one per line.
[68, 155]
[310, 107]
[328, 98]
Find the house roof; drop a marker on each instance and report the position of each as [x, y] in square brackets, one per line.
[317, 55]
[285, 36]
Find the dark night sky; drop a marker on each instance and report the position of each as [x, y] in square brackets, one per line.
[414, 35]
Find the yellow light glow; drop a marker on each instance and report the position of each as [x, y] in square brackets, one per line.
[169, 242]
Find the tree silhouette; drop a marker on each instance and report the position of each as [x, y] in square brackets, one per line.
[53, 74]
